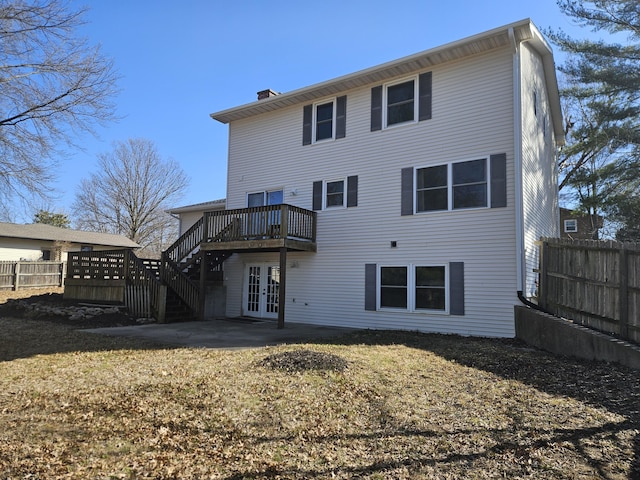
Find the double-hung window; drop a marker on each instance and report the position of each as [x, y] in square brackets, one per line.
[324, 120]
[452, 186]
[401, 103]
[324, 114]
[413, 288]
[571, 225]
[479, 183]
[341, 192]
[334, 194]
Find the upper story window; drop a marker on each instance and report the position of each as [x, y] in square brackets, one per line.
[335, 193]
[404, 101]
[400, 105]
[260, 199]
[453, 186]
[324, 115]
[476, 183]
[324, 120]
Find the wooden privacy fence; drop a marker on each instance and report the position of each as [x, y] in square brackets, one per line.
[593, 283]
[33, 274]
[117, 276]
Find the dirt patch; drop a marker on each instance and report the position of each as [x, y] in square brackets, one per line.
[300, 360]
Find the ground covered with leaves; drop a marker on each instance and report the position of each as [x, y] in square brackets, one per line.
[378, 405]
[49, 305]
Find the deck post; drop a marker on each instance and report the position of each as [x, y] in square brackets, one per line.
[203, 277]
[282, 294]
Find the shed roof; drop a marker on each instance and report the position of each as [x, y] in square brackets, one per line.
[508, 35]
[41, 231]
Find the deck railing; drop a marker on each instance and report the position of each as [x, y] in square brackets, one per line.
[144, 294]
[267, 222]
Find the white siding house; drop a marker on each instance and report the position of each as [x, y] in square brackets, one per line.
[431, 178]
[38, 241]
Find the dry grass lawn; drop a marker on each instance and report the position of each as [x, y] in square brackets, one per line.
[81, 406]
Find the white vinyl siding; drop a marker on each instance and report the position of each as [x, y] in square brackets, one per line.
[327, 287]
[14, 249]
[539, 171]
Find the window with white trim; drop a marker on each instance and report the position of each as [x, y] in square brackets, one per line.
[334, 193]
[413, 288]
[452, 186]
[571, 226]
[324, 120]
[400, 105]
[269, 197]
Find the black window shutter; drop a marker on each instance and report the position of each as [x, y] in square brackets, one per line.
[341, 116]
[406, 202]
[352, 191]
[307, 115]
[317, 195]
[424, 92]
[498, 180]
[376, 108]
[370, 287]
[456, 288]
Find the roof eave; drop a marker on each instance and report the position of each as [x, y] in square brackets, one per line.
[541, 46]
[474, 45]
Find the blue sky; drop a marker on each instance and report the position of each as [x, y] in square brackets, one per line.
[181, 61]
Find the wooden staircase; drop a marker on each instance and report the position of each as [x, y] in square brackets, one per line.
[185, 268]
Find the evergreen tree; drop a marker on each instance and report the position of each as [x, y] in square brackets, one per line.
[602, 105]
[50, 218]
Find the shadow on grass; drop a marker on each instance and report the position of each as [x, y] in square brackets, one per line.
[20, 338]
[613, 387]
[415, 461]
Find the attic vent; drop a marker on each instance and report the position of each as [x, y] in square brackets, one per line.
[262, 94]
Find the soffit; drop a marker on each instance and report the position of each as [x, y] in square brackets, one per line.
[475, 45]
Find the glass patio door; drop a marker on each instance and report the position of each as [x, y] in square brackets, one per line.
[263, 224]
[262, 286]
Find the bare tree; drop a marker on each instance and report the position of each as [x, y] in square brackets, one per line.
[130, 193]
[53, 85]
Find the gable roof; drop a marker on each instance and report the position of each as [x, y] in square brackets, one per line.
[201, 207]
[508, 35]
[40, 231]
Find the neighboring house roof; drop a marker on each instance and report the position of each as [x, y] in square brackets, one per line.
[508, 35]
[40, 231]
[201, 207]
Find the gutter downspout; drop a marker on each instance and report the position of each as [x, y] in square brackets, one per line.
[517, 151]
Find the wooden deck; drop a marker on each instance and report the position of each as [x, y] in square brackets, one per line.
[268, 228]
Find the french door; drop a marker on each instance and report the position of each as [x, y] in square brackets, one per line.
[261, 290]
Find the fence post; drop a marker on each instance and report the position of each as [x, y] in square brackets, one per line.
[542, 274]
[623, 293]
[63, 273]
[16, 276]
[162, 304]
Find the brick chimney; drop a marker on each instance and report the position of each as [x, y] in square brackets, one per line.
[262, 94]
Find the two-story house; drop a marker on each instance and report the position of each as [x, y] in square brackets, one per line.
[408, 195]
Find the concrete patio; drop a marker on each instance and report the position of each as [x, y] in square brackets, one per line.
[225, 333]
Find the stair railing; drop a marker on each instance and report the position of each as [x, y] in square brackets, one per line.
[187, 243]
